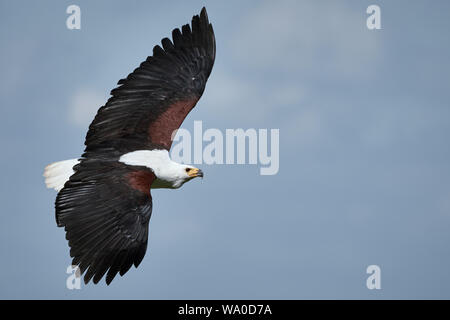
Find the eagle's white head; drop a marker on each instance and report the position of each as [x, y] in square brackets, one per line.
[169, 174]
[174, 176]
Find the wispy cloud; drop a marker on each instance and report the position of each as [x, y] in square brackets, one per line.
[300, 35]
[83, 106]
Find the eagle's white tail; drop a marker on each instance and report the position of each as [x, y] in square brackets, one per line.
[57, 173]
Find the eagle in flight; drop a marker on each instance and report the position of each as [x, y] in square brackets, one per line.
[104, 201]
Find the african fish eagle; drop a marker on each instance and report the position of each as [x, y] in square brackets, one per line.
[104, 201]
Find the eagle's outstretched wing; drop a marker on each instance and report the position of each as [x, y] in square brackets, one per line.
[106, 205]
[154, 99]
[105, 209]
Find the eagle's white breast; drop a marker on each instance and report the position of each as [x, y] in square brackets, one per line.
[169, 174]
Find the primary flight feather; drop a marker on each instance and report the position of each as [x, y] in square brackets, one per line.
[104, 201]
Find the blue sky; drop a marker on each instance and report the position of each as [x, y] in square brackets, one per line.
[364, 121]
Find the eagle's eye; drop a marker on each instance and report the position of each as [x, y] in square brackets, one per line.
[188, 169]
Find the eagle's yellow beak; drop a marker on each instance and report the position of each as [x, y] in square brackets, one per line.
[195, 172]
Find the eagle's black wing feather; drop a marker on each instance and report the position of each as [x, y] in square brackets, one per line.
[105, 209]
[155, 98]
